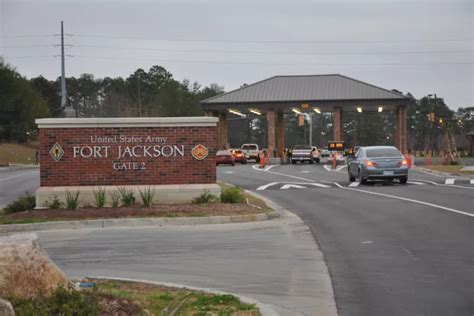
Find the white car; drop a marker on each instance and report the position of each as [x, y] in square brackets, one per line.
[251, 151]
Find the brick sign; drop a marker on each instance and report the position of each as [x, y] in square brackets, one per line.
[127, 151]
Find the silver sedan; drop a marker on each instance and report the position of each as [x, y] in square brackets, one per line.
[378, 162]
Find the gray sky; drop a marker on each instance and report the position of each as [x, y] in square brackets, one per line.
[420, 46]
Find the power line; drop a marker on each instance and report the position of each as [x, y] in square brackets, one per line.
[271, 41]
[272, 63]
[276, 53]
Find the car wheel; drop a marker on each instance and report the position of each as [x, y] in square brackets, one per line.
[351, 177]
[217, 164]
[362, 180]
[293, 161]
[311, 162]
[233, 164]
[244, 162]
[317, 160]
[403, 180]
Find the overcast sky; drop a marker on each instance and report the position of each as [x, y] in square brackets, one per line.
[417, 46]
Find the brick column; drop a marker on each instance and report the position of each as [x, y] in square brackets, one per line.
[222, 131]
[337, 125]
[401, 139]
[280, 133]
[271, 132]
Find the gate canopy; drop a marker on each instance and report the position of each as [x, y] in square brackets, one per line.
[282, 93]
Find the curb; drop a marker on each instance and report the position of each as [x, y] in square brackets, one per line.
[265, 309]
[442, 174]
[138, 222]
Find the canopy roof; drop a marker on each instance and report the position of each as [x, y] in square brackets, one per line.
[292, 90]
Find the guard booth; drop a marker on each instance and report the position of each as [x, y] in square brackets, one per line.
[280, 95]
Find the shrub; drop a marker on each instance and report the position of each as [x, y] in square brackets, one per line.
[22, 203]
[127, 196]
[54, 204]
[232, 195]
[62, 301]
[204, 198]
[115, 196]
[99, 197]
[147, 196]
[72, 200]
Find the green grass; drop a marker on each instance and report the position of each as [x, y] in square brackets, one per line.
[160, 300]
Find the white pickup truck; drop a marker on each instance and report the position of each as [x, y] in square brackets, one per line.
[301, 153]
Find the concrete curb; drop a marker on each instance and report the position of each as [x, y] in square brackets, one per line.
[137, 222]
[265, 310]
[441, 174]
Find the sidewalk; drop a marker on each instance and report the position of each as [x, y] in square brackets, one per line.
[276, 262]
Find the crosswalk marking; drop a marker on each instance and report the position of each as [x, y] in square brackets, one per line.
[449, 181]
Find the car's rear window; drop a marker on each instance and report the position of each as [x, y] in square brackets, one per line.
[249, 147]
[299, 147]
[382, 152]
[223, 153]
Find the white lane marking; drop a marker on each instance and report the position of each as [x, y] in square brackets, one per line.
[407, 199]
[417, 183]
[228, 171]
[354, 184]
[341, 167]
[305, 171]
[284, 174]
[327, 167]
[257, 167]
[289, 186]
[263, 187]
[446, 185]
[449, 181]
[471, 181]
[367, 242]
[18, 175]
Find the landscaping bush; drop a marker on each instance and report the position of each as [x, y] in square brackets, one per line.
[22, 203]
[72, 200]
[147, 196]
[115, 196]
[204, 198]
[63, 301]
[232, 195]
[127, 196]
[55, 204]
[99, 197]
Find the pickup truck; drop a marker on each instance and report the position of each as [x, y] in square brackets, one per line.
[301, 153]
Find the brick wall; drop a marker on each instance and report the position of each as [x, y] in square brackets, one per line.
[70, 171]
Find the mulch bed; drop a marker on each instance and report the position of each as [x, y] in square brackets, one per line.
[160, 210]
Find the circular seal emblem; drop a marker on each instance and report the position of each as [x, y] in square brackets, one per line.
[199, 152]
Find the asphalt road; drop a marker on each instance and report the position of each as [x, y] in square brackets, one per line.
[15, 181]
[391, 249]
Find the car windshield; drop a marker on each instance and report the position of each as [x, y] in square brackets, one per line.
[383, 152]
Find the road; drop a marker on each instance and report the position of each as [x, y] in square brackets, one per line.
[391, 249]
[15, 181]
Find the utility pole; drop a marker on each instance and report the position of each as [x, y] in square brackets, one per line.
[63, 71]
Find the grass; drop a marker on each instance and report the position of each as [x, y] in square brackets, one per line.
[14, 153]
[161, 300]
[456, 169]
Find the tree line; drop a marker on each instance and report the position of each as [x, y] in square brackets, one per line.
[156, 93]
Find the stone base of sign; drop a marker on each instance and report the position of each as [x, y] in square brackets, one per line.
[172, 193]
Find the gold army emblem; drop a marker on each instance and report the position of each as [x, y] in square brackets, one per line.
[56, 152]
[199, 152]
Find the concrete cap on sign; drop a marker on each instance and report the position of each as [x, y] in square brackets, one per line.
[127, 122]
